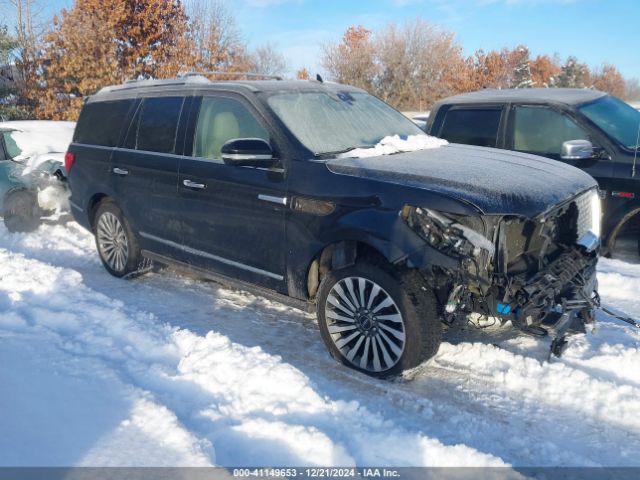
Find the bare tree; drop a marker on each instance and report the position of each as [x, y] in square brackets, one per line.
[218, 44]
[28, 37]
[418, 64]
[352, 60]
[410, 66]
[632, 90]
[267, 60]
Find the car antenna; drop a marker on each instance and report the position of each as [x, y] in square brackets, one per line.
[635, 154]
[319, 78]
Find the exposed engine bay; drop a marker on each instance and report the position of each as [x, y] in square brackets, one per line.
[538, 273]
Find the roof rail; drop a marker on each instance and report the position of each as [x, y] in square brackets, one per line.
[234, 74]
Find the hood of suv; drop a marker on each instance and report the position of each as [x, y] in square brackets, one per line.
[495, 181]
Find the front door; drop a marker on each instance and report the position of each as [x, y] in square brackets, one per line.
[233, 216]
[541, 130]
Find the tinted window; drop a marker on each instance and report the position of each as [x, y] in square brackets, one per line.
[220, 120]
[100, 123]
[542, 130]
[156, 124]
[473, 126]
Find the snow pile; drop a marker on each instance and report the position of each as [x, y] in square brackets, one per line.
[166, 390]
[395, 144]
[170, 370]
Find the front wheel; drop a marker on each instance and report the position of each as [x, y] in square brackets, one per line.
[376, 323]
[116, 242]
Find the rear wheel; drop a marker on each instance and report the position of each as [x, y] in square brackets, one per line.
[376, 323]
[116, 242]
[21, 211]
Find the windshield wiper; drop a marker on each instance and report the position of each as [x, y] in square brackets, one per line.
[339, 152]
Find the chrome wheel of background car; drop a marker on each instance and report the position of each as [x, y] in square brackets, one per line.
[365, 324]
[112, 241]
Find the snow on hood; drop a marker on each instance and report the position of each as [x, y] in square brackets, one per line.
[38, 139]
[396, 144]
[495, 181]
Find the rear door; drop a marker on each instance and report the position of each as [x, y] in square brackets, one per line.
[144, 172]
[470, 124]
[98, 132]
[233, 216]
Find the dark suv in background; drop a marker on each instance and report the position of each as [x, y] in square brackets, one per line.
[584, 128]
[284, 188]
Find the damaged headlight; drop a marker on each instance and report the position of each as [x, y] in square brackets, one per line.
[451, 234]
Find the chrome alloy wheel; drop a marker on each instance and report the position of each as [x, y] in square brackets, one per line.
[365, 324]
[112, 241]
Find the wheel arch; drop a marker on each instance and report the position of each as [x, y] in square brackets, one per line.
[622, 219]
[92, 206]
[340, 254]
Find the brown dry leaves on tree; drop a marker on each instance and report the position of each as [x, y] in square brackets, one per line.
[104, 42]
[409, 66]
[608, 79]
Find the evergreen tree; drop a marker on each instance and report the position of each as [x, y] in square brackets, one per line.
[522, 68]
[573, 74]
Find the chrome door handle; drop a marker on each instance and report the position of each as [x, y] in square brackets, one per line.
[191, 184]
[120, 171]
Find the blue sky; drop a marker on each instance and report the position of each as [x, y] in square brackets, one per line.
[594, 30]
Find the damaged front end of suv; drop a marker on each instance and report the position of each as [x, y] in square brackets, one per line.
[539, 272]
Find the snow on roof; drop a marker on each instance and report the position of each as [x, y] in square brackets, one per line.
[569, 96]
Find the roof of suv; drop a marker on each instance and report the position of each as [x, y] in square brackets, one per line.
[567, 96]
[198, 82]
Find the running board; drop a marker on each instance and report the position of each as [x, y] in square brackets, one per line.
[233, 283]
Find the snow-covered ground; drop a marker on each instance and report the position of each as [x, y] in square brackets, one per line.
[171, 370]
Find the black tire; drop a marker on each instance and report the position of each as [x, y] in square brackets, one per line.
[21, 211]
[414, 302]
[124, 241]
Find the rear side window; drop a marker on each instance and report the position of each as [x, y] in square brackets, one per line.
[472, 126]
[154, 127]
[101, 123]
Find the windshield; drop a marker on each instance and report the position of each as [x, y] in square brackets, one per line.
[13, 151]
[617, 118]
[328, 122]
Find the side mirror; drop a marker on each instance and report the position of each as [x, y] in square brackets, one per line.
[577, 150]
[253, 152]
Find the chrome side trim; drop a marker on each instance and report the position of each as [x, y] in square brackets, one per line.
[200, 253]
[272, 199]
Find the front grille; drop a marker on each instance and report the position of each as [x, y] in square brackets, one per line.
[585, 221]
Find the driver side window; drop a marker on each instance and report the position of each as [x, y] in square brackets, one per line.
[542, 131]
[220, 120]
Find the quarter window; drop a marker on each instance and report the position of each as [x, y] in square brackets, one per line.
[542, 130]
[100, 123]
[155, 125]
[472, 126]
[220, 120]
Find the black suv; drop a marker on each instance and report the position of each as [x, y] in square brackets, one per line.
[281, 187]
[584, 128]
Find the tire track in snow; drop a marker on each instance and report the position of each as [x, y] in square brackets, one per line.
[471, 394]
